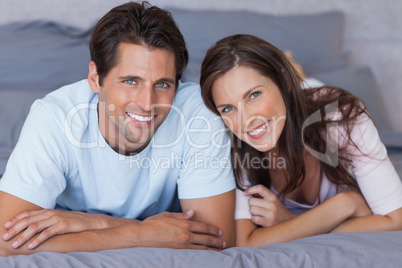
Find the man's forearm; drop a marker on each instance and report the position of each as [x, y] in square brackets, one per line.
[46, 223]
[111, 222]
[216, 210]
[123, 236]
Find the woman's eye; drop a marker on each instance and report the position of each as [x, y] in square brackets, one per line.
[255, 94]
[227, 109]
[130, 82]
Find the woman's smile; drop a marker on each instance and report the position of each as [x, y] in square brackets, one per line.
[259, 131]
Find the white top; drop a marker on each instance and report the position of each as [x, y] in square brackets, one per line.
[61, 159]
[311, 82]
[374, 172]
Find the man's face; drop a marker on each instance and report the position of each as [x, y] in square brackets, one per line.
[136, 96]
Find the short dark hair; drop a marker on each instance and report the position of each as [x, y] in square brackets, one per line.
[136, 23]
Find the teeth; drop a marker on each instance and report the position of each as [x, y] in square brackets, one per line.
[258, 131]
[141, 118]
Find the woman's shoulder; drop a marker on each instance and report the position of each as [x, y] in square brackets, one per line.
[326, 92]
[336, 103]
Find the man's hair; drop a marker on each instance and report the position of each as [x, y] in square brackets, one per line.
[140, 24]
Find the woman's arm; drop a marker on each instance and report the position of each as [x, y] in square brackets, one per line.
[321, 219]
[377, 178]
[390, 222]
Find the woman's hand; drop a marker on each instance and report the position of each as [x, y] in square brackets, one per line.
[265, 207]
[50, 222]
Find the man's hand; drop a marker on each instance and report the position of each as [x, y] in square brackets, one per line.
[176, 230]
[50, 222]
[266, 209]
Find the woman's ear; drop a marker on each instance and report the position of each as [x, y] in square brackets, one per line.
[93, 78]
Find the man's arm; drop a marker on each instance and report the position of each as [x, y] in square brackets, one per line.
[170, 230]
[216, 210]
[9, 207]
[46, 223]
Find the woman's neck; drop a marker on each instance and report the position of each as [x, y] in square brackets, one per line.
[308, 191]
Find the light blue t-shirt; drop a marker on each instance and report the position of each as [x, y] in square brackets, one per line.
[62, 161]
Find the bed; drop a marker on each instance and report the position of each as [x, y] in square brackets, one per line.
[37, 57]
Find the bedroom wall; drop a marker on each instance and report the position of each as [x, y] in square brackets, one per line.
[372, 30]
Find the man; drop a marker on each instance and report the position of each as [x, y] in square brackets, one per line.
[113, 152]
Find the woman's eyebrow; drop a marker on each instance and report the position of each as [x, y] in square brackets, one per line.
[222, 105]
[249, 91]
[244, 96]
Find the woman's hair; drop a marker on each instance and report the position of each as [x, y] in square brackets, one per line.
[269, 61]
[140, 24]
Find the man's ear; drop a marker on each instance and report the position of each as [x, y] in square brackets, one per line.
[93, 78]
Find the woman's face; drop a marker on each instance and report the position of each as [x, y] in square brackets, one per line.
[251, 106]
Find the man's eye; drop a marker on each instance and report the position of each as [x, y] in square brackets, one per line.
[255, 94]
[227, 109]
[162, 84]
[130, 82]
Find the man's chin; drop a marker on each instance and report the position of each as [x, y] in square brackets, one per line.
[136, 143]
[137, 139]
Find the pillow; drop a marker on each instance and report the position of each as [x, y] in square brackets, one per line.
[360, 82]
[4, 155]
[42, 55]
[395, 154]
[14, 108]
[315, 39]
[393, 140]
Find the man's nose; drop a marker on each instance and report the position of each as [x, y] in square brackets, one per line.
[145, 98]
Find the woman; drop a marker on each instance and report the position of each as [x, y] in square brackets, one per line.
[294, 150]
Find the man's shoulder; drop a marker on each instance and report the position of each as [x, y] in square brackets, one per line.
[188, 99]
[72, 101]
[70, 95]
[189, 87]
[187, 90]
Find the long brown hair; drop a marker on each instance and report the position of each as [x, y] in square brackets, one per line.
[251, 51]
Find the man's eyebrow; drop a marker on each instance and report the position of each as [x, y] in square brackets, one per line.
[167, 80]
[130, 77]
